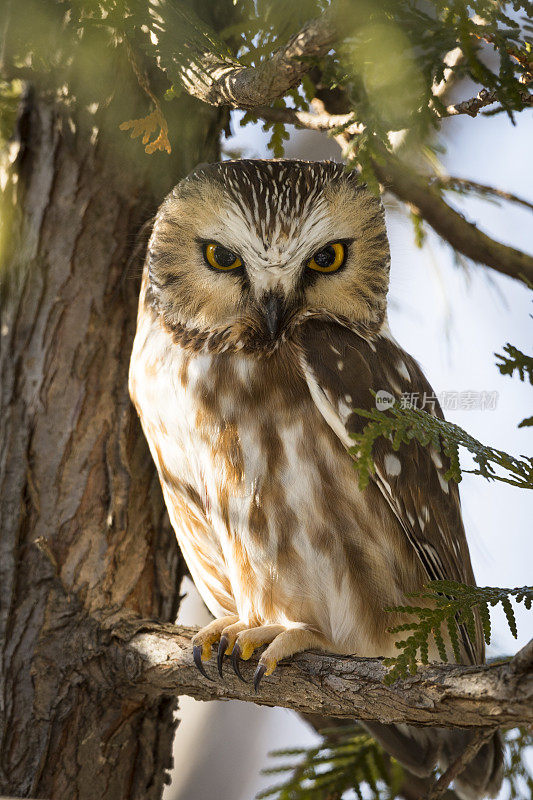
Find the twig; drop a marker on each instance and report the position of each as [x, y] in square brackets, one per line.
[3, 38]
[305, 119]
[147, 125]
[464, 236]
[451, 182]
[475, 744]
[484, 98]
[521, 58]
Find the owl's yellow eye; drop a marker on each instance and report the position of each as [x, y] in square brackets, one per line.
[329, 259]
[221, 258]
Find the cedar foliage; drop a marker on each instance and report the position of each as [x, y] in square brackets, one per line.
[451, 605]
[403, 425]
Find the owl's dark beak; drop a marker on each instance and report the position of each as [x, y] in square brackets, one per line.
[273, 307]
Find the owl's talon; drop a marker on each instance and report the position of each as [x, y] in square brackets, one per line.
[197, 656]
[258, 676]
[222, 647]
[235, 661]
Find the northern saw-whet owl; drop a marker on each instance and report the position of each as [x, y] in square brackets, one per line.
[262, 323]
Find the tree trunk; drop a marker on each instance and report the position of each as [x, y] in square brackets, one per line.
[84, 535]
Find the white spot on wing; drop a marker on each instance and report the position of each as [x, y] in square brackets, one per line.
[392, 464]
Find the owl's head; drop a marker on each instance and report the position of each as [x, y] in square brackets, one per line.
[249, 248]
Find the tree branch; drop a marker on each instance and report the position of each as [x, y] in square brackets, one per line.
[462, 235]
[225, 83]
[310, 121]
[451, 182]
[157, 660]
[484, 98]
[439, 789]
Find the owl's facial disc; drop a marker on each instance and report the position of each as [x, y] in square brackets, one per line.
[253, 246]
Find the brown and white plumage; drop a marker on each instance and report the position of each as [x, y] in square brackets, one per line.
[245, 379]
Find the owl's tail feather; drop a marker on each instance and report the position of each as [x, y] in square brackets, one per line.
[419, 750]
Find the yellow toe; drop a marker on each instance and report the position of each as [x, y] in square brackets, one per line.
[247, 649]
[270, 665]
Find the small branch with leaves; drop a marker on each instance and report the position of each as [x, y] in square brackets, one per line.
[347, 758]
[214, 76]
[515, 360]
[468, 187]
[403, 425]
[449, 605]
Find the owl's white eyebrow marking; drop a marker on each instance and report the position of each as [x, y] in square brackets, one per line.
[392, 464]
[278, 239]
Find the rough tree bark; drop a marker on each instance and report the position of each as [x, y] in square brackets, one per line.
[159, 661]
[83, 532]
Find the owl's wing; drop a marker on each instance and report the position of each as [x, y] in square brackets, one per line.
[341, 368]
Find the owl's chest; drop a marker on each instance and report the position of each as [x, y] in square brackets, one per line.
[239, 433]
[248, 420]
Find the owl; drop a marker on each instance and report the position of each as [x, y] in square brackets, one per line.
[262, 324]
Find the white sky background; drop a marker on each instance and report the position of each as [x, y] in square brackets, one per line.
[452, 323]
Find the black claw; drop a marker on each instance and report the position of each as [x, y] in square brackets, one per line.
[235, 660]
[258, 676]
[197, 655]
[222, 645]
